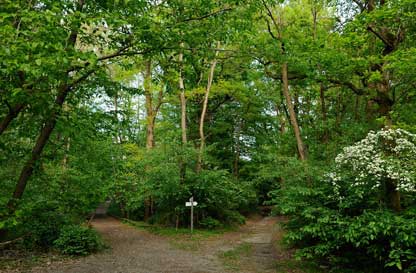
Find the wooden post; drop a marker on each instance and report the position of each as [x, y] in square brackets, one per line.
[192, 214]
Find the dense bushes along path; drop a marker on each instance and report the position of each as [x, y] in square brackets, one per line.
[133, 250]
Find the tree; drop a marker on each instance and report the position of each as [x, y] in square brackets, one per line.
[79, 63]
[278, 26]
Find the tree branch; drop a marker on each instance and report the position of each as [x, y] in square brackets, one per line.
[270, 13]
[270, 30]
[206, 15]
[381, 36]
[355, 89]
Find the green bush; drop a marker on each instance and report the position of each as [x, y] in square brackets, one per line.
[210, 223]
[154, 176]
[78, 240]
[42, 225]
[232, 217]
[363, 240]
[346, 219]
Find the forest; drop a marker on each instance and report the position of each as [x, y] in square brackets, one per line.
[301, 108]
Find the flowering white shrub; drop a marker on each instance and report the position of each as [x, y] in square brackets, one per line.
[389, 154]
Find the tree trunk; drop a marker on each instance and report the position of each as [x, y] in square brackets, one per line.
[182, 98]
[150, 143]
[292, 115]
[182, 162]
[204, 110]
[393, 196]
[278, 24]
[150, 118]
[12, 114]
[41, 141]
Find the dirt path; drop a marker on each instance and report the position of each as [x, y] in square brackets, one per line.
[247, 250]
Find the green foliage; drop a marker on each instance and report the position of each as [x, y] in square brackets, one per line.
[348, 227]
[210, 223]
[155, 175]
[42, 224]
[78, 240]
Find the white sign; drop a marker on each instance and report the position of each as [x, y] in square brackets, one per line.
[189, 204]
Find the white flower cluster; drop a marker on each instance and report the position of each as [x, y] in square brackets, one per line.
[386, 154]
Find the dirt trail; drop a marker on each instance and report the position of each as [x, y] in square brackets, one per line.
[138, 251]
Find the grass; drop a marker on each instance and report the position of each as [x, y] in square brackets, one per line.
[173, 232]
[180, 238]
[231, 258]
[292, 265]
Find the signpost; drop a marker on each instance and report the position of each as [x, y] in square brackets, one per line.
[191, 204]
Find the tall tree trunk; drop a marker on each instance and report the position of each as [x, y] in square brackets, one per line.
[182, 97]
[292, 115]
[278, 24]
[41, 141]
[182, 161]
[150, 118]
[204, 110]
[149, 127]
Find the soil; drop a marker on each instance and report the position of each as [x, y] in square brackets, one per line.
[247, 250]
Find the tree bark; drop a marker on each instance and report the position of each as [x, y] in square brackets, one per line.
[150, 118]
[204, 110]
[182, 98]
[292, 115]
[278, 24]
[182, 161]
[150, 143]
[12, 114]
[41, 141]
[393, 196]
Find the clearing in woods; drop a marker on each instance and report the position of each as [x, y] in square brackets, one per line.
[254, 248]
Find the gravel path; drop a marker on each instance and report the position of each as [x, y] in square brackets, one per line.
[138, 251]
